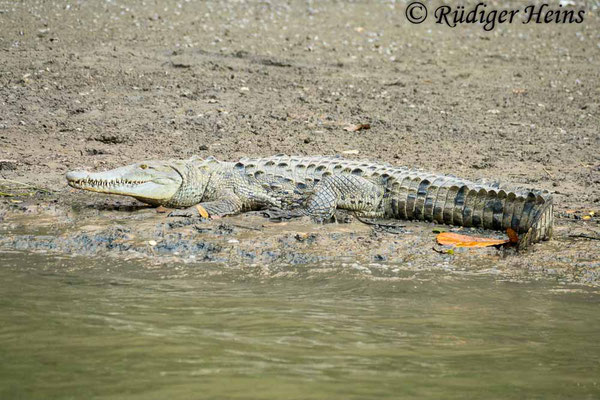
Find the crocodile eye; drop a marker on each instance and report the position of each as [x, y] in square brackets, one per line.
[143, 166]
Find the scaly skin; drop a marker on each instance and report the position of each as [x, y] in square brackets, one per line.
[317, 186]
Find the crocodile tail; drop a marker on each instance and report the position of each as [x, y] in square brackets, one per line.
[542, 225]
[453, 201]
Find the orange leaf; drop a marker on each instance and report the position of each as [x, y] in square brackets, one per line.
[449, 238]
[203, 213]
[512, 235]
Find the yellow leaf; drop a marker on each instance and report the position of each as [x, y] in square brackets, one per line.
[449, 238]
[586, 217]
[203, 213]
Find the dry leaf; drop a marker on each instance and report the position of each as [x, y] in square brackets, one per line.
[161, 210]
[203, 213]
[357, 127]
[519, 91]
[454, 239]
[512, 235]
[586, 217]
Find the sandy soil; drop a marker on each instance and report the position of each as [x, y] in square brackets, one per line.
[97, 84]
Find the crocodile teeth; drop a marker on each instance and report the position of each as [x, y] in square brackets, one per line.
[106, 183]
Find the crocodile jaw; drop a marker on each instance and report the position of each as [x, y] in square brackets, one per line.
[151, 182]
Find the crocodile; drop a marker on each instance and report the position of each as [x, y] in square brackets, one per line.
[316, 186]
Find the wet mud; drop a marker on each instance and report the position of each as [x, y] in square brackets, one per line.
[127, 230]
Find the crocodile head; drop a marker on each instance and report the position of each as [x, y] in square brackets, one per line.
[152, 182]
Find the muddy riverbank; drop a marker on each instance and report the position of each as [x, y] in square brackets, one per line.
[95, 225]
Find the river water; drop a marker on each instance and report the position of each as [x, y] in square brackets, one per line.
[82, 328]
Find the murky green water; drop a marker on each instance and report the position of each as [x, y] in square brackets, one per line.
[81, 329]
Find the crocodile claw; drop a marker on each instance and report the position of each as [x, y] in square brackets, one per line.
[187, 213]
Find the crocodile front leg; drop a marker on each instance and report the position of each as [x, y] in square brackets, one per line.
[221, 208]
[348, 192]
[228, 204]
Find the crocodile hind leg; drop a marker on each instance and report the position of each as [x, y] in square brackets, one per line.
[347, 192]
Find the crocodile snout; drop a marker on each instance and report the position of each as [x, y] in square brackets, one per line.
[76, 175]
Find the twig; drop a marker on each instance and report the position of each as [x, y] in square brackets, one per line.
[548, 172]
[39, 189]
[16, 182]
[384, 225]
[244, 226]
[584, 236]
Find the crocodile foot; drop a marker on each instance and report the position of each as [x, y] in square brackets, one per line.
[278, 214]
[190, 212]
[342, 216]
